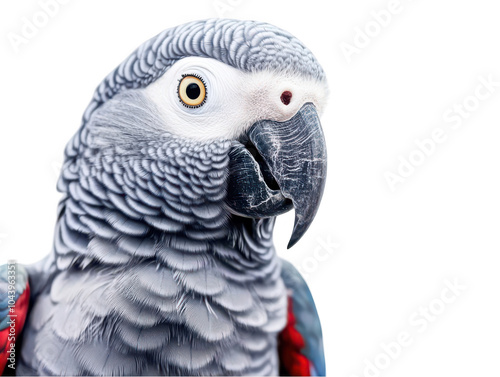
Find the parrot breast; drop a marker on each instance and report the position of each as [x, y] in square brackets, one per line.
[153, 275]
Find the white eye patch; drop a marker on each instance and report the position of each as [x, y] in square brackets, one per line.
[234, 99]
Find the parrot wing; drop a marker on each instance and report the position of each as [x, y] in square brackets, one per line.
[300, 344]
[14, 302]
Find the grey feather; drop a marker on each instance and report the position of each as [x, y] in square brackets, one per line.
[44, 312]
[159, 281]
[136, 246]
[71, 323]
[98, 360]
[144, 338]
[235, 298]
[188, 354]
[106, 252]
[235, 360]
[253, 341]
[207, 320]
[206, 281]
[183, 261]
[256, 316]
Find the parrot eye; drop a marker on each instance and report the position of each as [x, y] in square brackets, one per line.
[192, 91]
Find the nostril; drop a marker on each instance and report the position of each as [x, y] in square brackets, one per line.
[286, 97]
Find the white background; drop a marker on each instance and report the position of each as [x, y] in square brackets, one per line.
[373, 256]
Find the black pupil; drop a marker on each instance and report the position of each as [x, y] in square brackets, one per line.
[193, 91]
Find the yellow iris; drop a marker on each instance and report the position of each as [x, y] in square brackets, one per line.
[192, 91]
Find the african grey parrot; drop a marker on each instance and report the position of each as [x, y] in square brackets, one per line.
[163, 260]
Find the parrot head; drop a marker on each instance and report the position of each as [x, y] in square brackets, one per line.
[233, 105]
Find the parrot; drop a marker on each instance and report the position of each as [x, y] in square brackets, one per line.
[163, 261]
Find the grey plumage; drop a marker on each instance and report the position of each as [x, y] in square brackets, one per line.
[150, 274]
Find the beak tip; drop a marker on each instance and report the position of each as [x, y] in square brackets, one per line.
[299, 230]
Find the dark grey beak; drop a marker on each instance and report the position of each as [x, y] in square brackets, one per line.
[281, 164]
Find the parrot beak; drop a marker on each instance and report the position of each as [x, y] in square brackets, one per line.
[279, 165]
